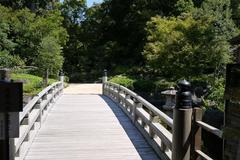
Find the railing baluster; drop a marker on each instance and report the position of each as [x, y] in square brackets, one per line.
[38, 106]
[135, 105]
[118, 93]
[127, 97]
[152, 120]
[196, 133]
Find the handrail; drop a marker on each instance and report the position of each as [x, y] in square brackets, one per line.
[198, 125]
[154, 125]
[163, 116]
[30, 119]
[143, 115]
[210, 128]
[203, 155]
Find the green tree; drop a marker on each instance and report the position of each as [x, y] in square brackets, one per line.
[6, 46]
[30, 4]
[50, 59]
[235, 6]
[185, 47]
[5, 43]
[184, 6]
[73, 12]
[10, 61]
[220, 13]
[26, 30]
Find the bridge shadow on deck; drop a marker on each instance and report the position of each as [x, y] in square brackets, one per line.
[142, 147]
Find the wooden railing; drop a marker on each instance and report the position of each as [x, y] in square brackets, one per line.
[155, 125]
[197, 126]
[31, 118]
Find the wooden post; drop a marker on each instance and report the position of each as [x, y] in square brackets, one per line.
[38, 106]
[61, 76]
[45, 78]
[182, 118]
[4, 122]
[136, 105]
[196, 133]
[231, 130]
[118, 93]
[104, 80]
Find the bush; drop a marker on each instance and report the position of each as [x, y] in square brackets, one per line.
[124, 81]
[32, 84]
[144, 86]
[217, 94]
[214, 90]
[10, 61]
[163, 85]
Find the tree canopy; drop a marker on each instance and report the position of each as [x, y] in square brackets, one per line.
[23, 33]
[152, 38]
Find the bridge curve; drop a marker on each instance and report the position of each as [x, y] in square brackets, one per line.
[86, 125]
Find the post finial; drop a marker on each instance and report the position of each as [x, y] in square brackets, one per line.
[184, 95]
[105, 72]
[5, 74]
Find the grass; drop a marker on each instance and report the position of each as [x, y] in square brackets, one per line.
[33, 83]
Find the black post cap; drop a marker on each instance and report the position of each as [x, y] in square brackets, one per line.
[184, 95]
[184, 85]
[61, 73]
[5, 74]
[105, 72]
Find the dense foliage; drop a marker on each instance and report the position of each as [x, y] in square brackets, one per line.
[27, 38]
[156, 42]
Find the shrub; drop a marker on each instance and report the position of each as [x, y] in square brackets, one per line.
[144, 86]
[163, 85]
[10, 61]
[124, 81]
[33, 84]
[217, 94]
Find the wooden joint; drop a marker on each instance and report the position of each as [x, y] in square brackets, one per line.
[27, 137]
[44, 97]
[51, 91]
[39, 101]
[196, 132]
[37, 106]
[25, 121]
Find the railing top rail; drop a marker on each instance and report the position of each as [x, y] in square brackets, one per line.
[165, 118]
[210, 129]
[32, 102]
[45, 90]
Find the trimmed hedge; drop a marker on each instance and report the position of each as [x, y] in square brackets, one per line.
[32, 84]
[141, 85]
[124, 81]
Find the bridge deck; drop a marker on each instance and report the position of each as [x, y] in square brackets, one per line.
[88, 127]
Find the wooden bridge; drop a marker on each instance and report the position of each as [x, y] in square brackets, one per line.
[100, 122]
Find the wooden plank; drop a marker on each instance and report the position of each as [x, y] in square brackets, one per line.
[210, 128]
[203, 155]
[89, 127]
